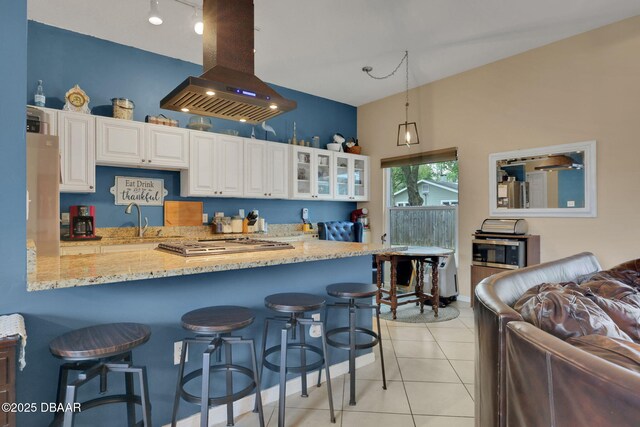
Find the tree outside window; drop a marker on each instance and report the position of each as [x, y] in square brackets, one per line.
[430, 184]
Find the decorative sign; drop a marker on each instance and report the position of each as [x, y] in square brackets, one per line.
[143, 191]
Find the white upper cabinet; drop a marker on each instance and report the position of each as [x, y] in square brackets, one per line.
[278, 170]
[199, 179]
[255, 169]
[119, 142]
[351, 177]
[76, 134]
[229, 162]
[167, 146]
[266, 169]
[215, 166]
[128, 143]
[312, 171]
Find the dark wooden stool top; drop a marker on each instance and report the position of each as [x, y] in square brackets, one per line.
[99, 341]
[352, 290]
[294, 302]
[216, 319]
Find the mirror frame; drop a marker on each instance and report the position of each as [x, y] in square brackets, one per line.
[590, 199]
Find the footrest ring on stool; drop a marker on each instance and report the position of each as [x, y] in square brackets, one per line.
[346, 346]
[214, 401]
[295, 369]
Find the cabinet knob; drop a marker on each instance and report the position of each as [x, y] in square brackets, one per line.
[265, 194]
[269, 193]
[148, 161]
[91, 187]
[142, 160]
[220, 192]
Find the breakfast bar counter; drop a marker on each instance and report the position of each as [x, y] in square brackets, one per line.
[95, 269]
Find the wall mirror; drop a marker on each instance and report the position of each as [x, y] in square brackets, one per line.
[557, 181]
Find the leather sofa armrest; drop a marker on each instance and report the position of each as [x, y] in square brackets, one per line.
[552, 383]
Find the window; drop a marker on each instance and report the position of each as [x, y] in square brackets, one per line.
[421, 200]
[429, 184]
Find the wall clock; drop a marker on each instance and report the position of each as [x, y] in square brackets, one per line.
[77, 100]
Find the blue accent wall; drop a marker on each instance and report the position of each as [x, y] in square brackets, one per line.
[571, 187]
[274, 211]
[158, 303]
[106, 70]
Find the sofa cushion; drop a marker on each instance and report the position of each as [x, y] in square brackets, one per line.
[621, 352]
[627, 273]
[565, 311]
[620, 301]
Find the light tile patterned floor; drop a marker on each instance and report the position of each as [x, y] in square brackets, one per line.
[429, 382]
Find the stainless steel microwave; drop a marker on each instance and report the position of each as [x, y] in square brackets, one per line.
[499, 253]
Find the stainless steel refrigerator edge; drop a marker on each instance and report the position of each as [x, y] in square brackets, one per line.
[513, 194]
[43, 193]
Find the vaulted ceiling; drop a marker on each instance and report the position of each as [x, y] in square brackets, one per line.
[320, 46]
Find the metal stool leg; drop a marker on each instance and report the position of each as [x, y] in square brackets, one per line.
[303, 362]
[70, 398]
[326, 364]
[262, 356]
[283, 374]
[384, 377]
[204, 405]
[176, 400]
[229, 360]
[352, 352]
[256, 378]
[63, 378]
[128, 383]
[144, 396]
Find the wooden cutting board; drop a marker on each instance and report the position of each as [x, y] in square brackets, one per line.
[182, 213]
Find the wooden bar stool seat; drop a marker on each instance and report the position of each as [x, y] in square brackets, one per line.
[213, 326]
[295, 305]
[97, 351]
[352, 292]
[99, 341]
[294, 302]
[218, 319]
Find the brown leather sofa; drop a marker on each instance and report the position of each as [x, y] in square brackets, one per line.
[494, 298]
[553, 383]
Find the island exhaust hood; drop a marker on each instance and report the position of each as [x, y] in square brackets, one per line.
[229, 88]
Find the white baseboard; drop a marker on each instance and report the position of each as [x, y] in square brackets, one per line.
[464, 298]
[218, 414]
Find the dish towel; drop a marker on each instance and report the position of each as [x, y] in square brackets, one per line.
[12, 325]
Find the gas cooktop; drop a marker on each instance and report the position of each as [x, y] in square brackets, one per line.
[222, 247]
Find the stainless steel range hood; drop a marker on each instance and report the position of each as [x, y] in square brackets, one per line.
[558, 162]
[228, 89]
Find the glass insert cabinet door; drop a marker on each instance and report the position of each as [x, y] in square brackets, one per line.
[323, 166]
[359, 178]
[312, 173]
[351, 172]
[302, 172]
[343, 165]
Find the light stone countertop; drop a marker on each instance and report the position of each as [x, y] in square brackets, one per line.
[95, 269]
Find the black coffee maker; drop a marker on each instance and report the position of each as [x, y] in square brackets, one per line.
[82, 222]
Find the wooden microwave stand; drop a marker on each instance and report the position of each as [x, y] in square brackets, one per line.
[8, 378]
[532, 247]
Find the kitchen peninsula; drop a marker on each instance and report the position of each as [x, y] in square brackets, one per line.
[94, 269]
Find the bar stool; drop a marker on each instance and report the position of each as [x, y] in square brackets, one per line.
[296, 304]
[97, 351]
[354, 291]
[213, 325]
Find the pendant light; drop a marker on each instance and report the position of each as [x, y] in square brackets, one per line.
[407, 131]
[154, 13]
[198, 25]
